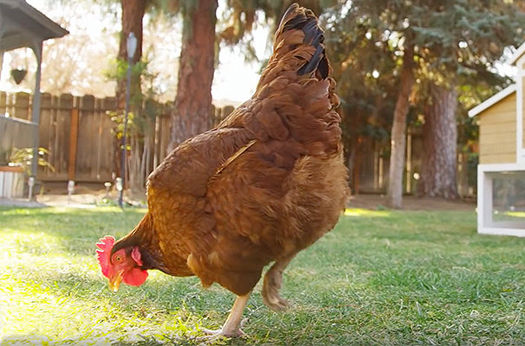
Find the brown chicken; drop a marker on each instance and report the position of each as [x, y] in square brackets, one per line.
[263, 185]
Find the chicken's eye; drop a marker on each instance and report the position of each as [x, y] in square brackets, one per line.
[117, 258]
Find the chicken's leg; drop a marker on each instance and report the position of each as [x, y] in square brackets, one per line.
[232, 326]
[272, 284]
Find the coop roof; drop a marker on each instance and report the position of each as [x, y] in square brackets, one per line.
[491, 101]
[518, 54]
[21, 25]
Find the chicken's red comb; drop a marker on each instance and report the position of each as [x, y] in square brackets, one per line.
[104, 253]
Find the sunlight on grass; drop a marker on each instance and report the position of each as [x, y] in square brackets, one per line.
[65, 298]
[366, 212]
[36, 310]
[66, 210]
[52, 288]
[380, 277]
[516, 213]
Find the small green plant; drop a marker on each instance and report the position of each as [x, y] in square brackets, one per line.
[118, 129]
[22, 157]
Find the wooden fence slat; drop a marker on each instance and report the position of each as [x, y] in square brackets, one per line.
[3, 102]
[22, 106]
[61, 128]
[73, 141]
[87, 149]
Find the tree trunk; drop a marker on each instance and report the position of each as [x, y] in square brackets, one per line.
[193, 107]
[440, 143]
[132, 15]
[398, 136]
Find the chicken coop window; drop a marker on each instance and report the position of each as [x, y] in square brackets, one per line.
[508, 199]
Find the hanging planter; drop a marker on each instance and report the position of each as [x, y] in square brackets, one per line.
[18, 75]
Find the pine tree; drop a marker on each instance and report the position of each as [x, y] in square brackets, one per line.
[445, 38]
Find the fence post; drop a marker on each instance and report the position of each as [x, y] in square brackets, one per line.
[73, 142]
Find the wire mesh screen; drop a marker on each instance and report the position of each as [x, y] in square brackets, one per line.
[508, 199]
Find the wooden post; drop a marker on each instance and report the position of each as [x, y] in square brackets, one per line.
[35, 115]
[73, 141]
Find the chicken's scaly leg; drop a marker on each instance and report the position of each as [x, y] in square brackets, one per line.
[272, 284]
[232, 326]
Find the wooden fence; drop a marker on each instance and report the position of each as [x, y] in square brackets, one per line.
[78, 132]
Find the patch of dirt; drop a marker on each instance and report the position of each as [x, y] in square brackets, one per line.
[89, 195]
[411, 203]
[86, 195]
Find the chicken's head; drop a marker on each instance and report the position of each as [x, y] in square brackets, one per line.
[121, 265]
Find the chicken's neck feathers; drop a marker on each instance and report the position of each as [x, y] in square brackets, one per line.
[145, 237]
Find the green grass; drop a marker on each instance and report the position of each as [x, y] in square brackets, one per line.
[381, 277]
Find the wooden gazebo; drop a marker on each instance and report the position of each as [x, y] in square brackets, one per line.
[21, 25]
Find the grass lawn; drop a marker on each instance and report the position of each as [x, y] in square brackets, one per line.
[381, 277]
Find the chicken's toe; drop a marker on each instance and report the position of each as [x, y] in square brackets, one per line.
[275, 302]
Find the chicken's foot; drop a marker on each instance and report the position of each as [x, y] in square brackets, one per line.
[232, 326]
[272, 284]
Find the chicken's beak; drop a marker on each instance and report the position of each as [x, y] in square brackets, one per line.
[115, 281]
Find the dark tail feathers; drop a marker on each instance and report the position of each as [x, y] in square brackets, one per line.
[297, 18]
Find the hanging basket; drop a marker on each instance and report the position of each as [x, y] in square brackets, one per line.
[18, 75]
